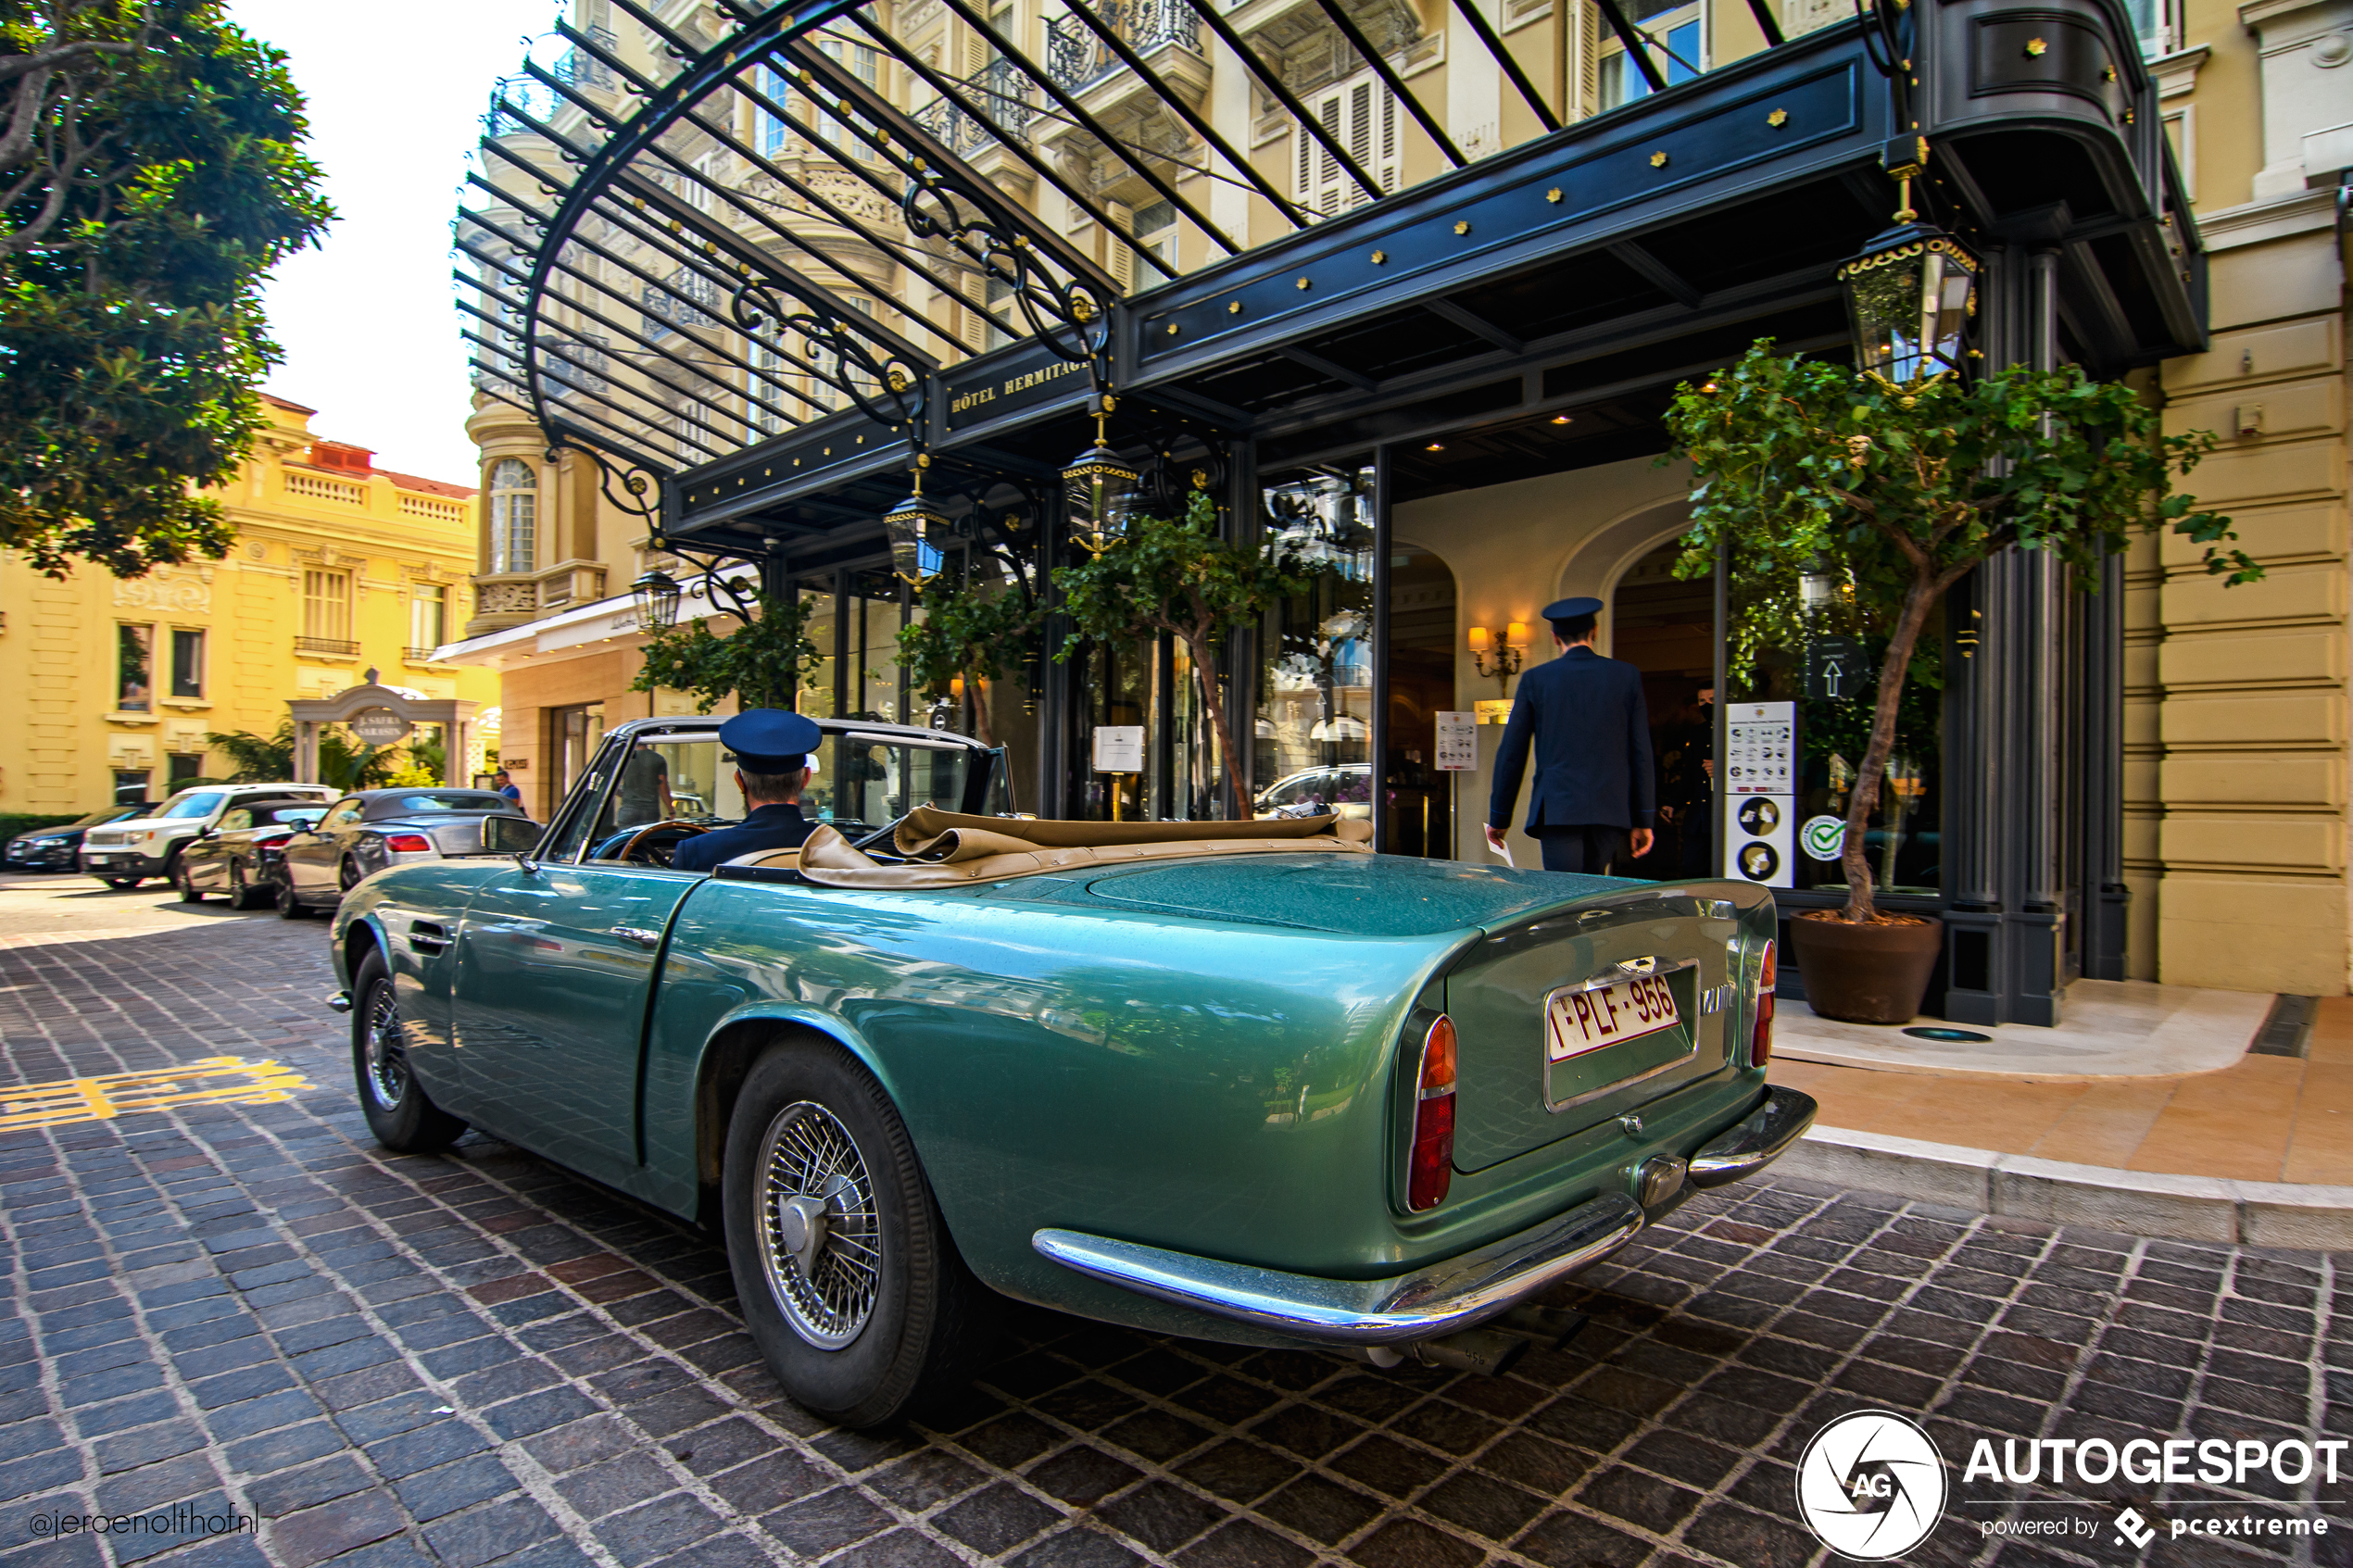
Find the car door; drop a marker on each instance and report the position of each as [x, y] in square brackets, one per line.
[207, 856]
[311, 856]
[556, 969]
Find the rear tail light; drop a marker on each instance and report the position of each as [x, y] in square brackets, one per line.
[1760, 1039]
[1431, 1167]
[407, 843]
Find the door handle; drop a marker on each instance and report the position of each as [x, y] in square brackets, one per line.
[638, 935]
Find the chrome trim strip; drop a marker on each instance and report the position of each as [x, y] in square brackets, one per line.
[1762, 1138]
[1436, 1300]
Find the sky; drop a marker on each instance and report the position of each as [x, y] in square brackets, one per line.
[366, 323]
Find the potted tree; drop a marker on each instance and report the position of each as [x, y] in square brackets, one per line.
[966, 638]
[760, 662]
[1178, 576]
[1901, 489]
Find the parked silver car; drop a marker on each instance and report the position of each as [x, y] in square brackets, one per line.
[124, 854]
[364, 832]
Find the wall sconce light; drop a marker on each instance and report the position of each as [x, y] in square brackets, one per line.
[1508, 658]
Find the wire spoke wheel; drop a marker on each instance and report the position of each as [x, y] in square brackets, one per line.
[820, 1241]
[384, 1066]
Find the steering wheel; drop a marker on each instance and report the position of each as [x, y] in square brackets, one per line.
[629, 850]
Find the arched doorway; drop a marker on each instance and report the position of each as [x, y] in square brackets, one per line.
[1420, 808]
[1666, 627]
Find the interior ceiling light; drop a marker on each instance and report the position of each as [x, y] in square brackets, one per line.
[1560, 418]
[1435, 446]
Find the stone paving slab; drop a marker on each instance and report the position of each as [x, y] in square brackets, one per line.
[479, 1359]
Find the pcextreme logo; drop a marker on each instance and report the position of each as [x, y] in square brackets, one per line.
[1870, 1486]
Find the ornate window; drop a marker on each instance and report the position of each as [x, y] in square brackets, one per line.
[1361, 114]
[514, 516]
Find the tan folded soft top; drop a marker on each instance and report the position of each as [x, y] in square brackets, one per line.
[947, 849]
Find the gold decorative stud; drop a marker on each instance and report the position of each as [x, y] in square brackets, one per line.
[1304, 283]
[1463, 226]
[1658, 160]
[1554, 195]
[1778, 119]
[1233, 308]
[2036, 46]
[1379, 257]
[2107, 73]
[1172, 329]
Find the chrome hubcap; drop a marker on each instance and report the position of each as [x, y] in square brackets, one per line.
[384, 1059]
[819, 1244]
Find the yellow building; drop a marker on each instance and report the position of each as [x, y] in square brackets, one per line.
[338, 566]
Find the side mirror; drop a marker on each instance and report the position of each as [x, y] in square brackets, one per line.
[512, 836]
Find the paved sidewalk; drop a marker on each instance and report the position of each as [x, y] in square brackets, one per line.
[251, 1310]
[2262, 1118]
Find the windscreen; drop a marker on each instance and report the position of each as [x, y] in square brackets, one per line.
[858, 782]
[438, 800]
[200, 803]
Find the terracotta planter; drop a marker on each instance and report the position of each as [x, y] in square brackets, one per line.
[1865, 973]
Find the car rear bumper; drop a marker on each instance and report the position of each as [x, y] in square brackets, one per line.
[1440, 1300]
[1762, 1137]
[1445, 1297]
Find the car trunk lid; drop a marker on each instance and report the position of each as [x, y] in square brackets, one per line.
[1562, 1018]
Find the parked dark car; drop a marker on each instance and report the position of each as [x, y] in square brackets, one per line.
[362, 834]
[53, 850]
[235, 856]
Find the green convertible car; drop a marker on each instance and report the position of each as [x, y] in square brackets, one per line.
[1242, 1081]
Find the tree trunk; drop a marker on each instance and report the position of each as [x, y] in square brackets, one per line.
[1205, 671]
[1918, 600]
[979, 700]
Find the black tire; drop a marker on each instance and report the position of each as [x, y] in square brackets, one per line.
[122, 884]
[181, 880]
[240, 890]
[401, 1115]
[348, 875]
[924, 1320]
[289, 907]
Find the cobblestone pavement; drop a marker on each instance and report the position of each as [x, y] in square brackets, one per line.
[481, 1359]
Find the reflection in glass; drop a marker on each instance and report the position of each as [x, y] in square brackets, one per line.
[1778, 622]
[1312, 749]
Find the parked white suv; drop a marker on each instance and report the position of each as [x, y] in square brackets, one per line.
[124, 854]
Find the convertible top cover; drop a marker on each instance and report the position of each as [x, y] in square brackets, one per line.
[948, 849]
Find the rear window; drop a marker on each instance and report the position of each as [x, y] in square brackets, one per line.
[438, 800]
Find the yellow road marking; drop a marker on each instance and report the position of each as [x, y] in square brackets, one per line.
[216, 1080]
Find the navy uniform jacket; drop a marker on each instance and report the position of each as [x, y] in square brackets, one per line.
[1585, 718]
[768, 827]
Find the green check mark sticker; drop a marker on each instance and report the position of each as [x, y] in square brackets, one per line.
[1823, 836]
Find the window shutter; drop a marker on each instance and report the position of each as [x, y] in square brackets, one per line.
[1589, 55]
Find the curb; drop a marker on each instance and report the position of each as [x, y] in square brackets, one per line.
[2097, 1197]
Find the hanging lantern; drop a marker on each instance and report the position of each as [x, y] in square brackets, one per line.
[1099, 491]
[1911, 295]
[655, 596]
[911, 526]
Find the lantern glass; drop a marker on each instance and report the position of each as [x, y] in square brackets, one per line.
[1911, 296]
[1099, 491]
[912, 526]
[655, 596]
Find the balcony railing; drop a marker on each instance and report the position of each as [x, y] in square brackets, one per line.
[1007, 100]
[1074, 57]
[418, 656]
[334, 647]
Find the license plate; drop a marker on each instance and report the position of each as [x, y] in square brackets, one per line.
[1580, 1020]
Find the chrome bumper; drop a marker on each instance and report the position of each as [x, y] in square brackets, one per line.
[1440, 1300]
[1756, 1142]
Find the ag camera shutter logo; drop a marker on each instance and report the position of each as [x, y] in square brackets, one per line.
[1871, 1486]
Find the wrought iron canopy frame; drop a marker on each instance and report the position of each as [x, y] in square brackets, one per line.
[1690, 217]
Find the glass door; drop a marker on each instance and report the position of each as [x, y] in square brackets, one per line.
[1312, 748]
